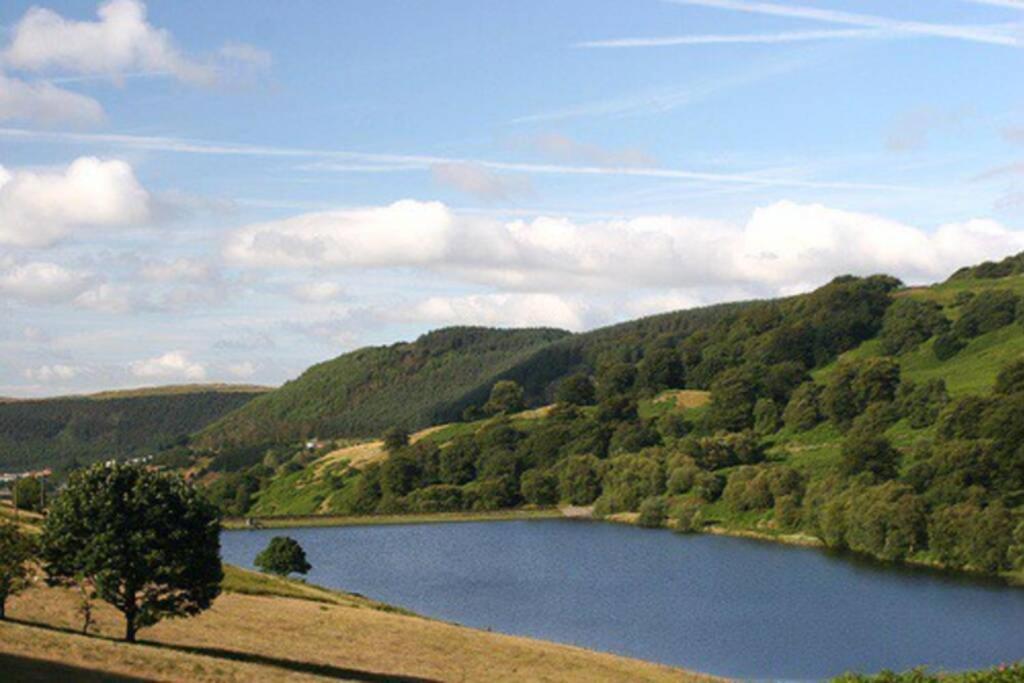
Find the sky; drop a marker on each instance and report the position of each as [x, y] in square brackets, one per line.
[232, 191]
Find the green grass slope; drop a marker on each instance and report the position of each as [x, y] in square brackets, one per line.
[54, 432]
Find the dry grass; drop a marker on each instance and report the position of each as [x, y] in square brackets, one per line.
[363, 454]
[268, 638]
[685, 398]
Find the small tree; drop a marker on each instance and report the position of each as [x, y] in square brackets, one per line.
[506, 397]
[395, 439]
[28, 493]
[283, 556]
[146, 542]
[16, 553]
[577, 390]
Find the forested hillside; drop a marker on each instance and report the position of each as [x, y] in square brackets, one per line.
[866, 416]
[361, 393]
[58, 431]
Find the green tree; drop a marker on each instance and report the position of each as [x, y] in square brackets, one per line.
[579, 479]
[661, 369]
[396, 439]
[539, 487]
[1010, 379]
[653, 512]
[147, 541]
[947, 345]
[733, 394]
[506, 397]
[283, 556]
[767, 420]
[803, 411]
[576, 390]
[17, 550]
[686, 515]
[864, 451]
[908, 323]
[615, 379]
[28, 492]
[988, 311]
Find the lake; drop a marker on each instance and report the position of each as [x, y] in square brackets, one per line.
[728, 606]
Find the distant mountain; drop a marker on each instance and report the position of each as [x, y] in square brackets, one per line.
[58, 431]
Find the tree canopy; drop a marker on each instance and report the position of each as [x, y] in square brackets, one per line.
[283, 556]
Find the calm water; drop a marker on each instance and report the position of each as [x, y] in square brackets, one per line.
[727, 606]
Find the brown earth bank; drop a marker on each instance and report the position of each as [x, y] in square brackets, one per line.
[277, 630]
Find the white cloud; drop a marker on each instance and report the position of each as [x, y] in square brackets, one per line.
[120, 41]
[316, 292]
[51, 373]
[45, 103]
[782, 246]
[178, 270]
[107, 298]
[479, 181]
[243, 369]
[247, 54]
[38, 208]
[499, 310]
[566, 149]
[42, 283]
[171, 365]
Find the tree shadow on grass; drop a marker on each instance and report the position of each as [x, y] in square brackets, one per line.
[76, 674]
[328, 670]
[19, 669]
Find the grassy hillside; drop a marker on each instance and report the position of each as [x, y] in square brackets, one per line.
[330, 636]
[55, 432]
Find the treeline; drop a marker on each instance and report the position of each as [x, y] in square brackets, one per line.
[62, 431]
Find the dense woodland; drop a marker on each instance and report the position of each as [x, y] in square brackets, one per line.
[61, 432]
[805, 433]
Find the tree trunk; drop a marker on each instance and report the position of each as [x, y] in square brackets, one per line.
[3, 610]
[130, 628]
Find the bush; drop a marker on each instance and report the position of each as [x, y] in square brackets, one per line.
[539, 487]
[908, 323]
[576, 390]
[921, 404]
[506, 397]
[947, 345]
[708, 486]
[653, 512]
[436, 498]
[865, 451]
[686, 515]
[682, 478]
[803, 411]
[767, 420]
[395, 439]
[579, 479]
[1010, 379]
[17, 550]
[628, 480]
[988, 311]
[283, 556]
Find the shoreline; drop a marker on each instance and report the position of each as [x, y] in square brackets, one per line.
[1011, 579]
[300, 521]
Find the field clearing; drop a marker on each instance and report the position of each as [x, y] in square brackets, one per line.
[270, 637]
[285, 521]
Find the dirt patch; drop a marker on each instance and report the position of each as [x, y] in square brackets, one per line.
[685, 398]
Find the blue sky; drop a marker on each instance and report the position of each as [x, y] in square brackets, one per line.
[232, 191]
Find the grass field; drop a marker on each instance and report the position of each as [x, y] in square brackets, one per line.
[369, 520]
[269, 629]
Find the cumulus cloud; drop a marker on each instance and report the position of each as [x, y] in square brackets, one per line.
[498, 310]
[479, 181]
[782, 247]
[120, 41]
[45, 103]
[316, 292]
[38, 208]
[42, 283]
[51, 373]
[171, 365]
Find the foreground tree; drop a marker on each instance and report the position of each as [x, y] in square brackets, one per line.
[283, 556]
[146, 542]
[16, 553]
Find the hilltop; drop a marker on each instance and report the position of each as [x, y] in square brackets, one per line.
[55, 432]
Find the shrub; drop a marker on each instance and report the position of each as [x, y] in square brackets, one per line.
[803, 411]
[436, 498]
[17, 550]
[539, 487]
[506, 397]
[686, 515]
[577, 390]
[283, 556]
[396, 438]
[628, 480]
[947, 345]
[766, 417]
[921, 404]
[908, 323]
[865, 451]
[1010, 379]
[579, 479]
[653, 512]
[708, 486]
[988, 311]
